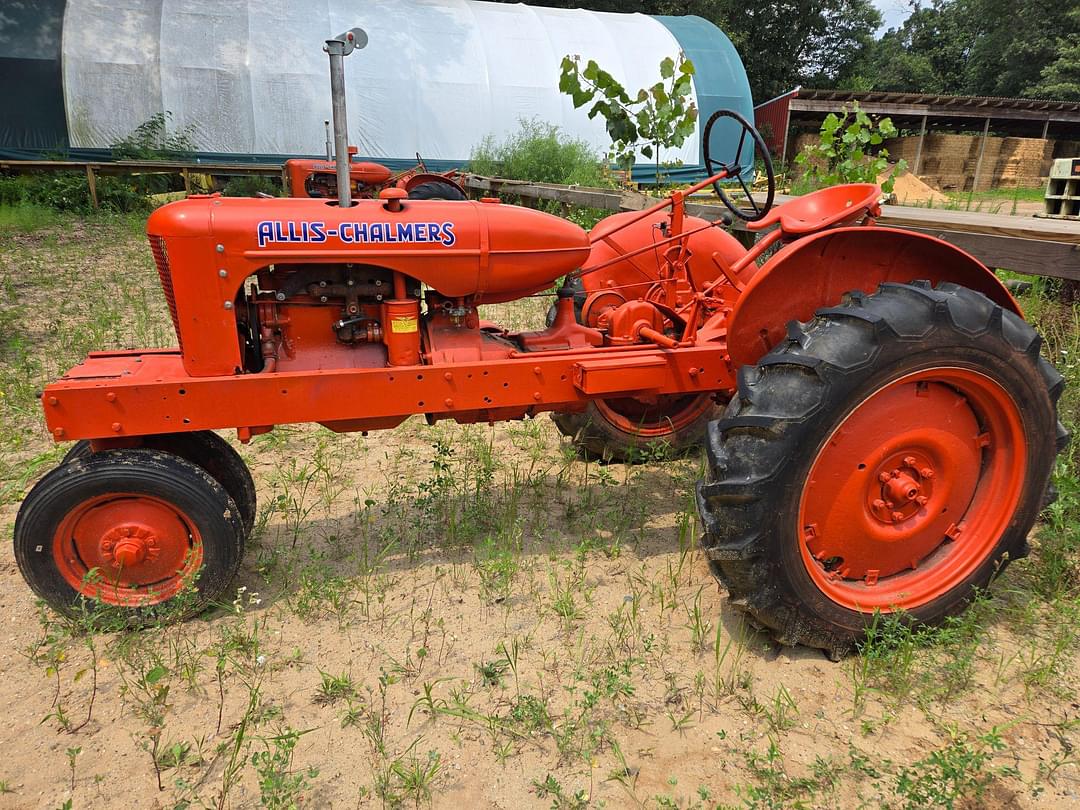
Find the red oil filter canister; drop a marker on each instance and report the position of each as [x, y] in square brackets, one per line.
[401, 331]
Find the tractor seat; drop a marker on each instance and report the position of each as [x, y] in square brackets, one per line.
[836, 205]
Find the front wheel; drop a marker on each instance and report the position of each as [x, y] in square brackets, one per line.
[890, 456]
[205, 449]
[146, 533]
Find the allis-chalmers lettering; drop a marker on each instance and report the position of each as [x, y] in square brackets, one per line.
[357, 233]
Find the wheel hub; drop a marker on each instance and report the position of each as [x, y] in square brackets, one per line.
[899, 491]
[129, 545]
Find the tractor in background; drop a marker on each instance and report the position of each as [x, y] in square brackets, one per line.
[307, 177]
[878, 422]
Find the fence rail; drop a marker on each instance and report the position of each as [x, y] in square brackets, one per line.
[1040, 247]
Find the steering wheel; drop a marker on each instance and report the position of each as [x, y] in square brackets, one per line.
[734, 167]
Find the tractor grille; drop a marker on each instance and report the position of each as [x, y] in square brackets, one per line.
[161, 258]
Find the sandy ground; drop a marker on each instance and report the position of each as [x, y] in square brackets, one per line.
[508, 627]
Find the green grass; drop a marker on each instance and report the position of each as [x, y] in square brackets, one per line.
[994, 194]
[27, 217]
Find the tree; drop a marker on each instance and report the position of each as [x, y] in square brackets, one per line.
[849, 151]
[975, 47]
[657, 117]
[1060, 79]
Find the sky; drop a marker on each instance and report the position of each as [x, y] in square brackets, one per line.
[893, 12]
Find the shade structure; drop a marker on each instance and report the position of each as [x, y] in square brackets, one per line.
[248, 79]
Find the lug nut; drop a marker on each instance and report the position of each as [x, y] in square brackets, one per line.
[883, 477]
[926, 472]
[879, 504]
[921, 500]
[897, 517]
[909, 461]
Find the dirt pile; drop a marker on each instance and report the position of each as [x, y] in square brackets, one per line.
[910, 190]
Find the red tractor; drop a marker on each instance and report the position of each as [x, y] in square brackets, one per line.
[879, 424]
[307, 177]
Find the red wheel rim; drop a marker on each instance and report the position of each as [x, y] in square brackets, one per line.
[911, 493]
[141, 550]
[654, 420]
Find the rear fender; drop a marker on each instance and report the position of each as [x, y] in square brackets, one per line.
[816, 271]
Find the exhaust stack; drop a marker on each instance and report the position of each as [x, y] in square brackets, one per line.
[338, 48]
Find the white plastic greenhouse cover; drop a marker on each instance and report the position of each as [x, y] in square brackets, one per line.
[251, 77]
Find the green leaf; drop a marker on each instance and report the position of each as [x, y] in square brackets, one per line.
[156, 674]
[667, 67]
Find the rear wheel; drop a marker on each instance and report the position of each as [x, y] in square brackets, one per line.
[891, 455]
[434, 190]
[629, 430]
[142, 531]
[205, 449]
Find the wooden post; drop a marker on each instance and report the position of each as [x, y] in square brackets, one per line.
[187, 181]
[92, 183]
[982, 151]
[918, 149]
[1046, 128]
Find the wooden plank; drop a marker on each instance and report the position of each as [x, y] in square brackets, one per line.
[1033, 256]
[918, 150]
[1023, 244]
[91, 181]
[1032, 228]
[142, 167]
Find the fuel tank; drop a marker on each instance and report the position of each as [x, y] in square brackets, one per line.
[624, 233]
[488, 250]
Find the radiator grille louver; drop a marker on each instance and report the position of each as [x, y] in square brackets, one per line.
[161, 259]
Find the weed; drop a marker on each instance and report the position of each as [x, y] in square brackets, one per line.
[491, 672]
[72, 755]
[416, 776]
[280, 787]
[958, 770]
[334, 688]
[551, 788]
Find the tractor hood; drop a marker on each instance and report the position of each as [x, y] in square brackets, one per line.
[484, 249]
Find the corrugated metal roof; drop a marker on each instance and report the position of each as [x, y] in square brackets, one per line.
[938, 100]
